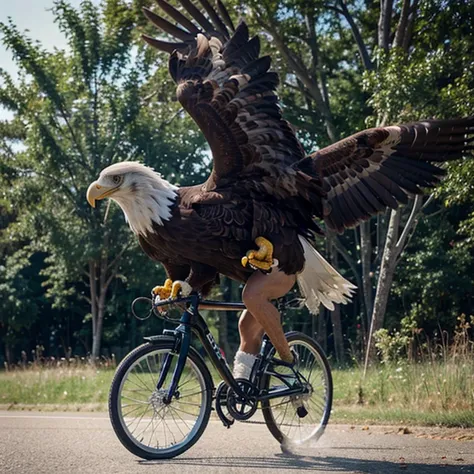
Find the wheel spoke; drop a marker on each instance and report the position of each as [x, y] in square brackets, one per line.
[284, 415]
[151, 372]
[139, 421]
[190, 394]
[182, 411]
[145, 418]
[142, 381]
[141, 402]
[179, 402]
[281, 403]
[140, 384]
[131, 411]
[281, 414]
[177, 424]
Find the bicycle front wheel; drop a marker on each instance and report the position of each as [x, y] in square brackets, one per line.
[297, 420]
[146, 425]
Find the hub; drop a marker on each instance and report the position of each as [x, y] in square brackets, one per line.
[158, 399]
[298, 400]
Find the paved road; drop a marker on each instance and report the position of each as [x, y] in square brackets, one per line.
[85, 443]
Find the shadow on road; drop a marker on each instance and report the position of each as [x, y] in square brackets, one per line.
[313, 463]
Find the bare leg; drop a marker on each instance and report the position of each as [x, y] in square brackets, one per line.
[251, 333]
[250, 340]
[257, 295]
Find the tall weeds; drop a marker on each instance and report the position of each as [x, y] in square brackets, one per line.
[416, 372]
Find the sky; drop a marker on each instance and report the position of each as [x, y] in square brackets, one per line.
[35, 16]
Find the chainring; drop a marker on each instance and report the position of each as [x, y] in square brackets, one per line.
[239, 407]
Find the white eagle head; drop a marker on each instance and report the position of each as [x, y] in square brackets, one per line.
[144, 196]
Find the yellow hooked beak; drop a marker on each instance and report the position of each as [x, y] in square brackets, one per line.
[97, 192]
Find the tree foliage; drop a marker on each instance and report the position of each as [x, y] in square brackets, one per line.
[66, 269]
[76, 112]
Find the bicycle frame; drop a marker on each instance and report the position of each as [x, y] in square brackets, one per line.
[192, 322]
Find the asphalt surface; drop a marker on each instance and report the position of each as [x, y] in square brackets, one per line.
[85, 443]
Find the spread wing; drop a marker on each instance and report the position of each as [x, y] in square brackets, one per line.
[378, 168]
[229, 92]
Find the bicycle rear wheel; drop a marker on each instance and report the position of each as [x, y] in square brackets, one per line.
[283, 415]
[146, 425]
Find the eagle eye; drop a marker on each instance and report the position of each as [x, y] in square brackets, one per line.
[117, 179]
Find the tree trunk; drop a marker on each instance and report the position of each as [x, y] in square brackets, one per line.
[399, 40]
[99, 283]
[8, 354]
[364, 54]
[394, 246]
[93, 296]
[318, 81]
[336, 316]
[337, 334]
[297, 65]
[97, 335]
[322, 335]
[386, 8]
[366, 263]
[384, 284]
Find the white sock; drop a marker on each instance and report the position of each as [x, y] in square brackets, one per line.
[243, 364]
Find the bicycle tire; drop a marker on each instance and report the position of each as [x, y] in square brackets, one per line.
[135, 446]
[267, 409]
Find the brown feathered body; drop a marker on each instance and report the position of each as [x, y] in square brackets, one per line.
[210, 231]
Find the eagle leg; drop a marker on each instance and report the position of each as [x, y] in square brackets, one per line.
[261, 259]
[171, 289]
[164, 292]
[181, 288]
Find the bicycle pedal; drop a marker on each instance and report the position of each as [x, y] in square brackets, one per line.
[220, 398]
[301, 411]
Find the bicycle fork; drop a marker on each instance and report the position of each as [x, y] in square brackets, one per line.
[182, 336]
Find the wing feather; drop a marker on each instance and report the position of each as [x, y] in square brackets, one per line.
[230, 93]
[177, 16]
[197, 15]
[379, 168]
[167, 27]
[225, 15]
[218, 23]
[165, 46]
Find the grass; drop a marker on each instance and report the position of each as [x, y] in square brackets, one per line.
[373, 415]
[55, 386]
[430, 393]
[431, 386]
[439, 393]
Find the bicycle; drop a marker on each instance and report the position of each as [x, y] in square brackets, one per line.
[167, 380]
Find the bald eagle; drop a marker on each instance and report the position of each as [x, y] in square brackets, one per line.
[263, 191]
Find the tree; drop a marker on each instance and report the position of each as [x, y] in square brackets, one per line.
[82, 110]
[429, 59]
[399, 55]
[344, 66]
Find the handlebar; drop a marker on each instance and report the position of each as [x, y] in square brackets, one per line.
[156, 304]
[204, 304]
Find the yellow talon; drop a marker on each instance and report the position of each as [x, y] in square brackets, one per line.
[172, 289]
[176, 289]
[164, 292]
[262, 258]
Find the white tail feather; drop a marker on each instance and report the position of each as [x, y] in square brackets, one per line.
[320, 283]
